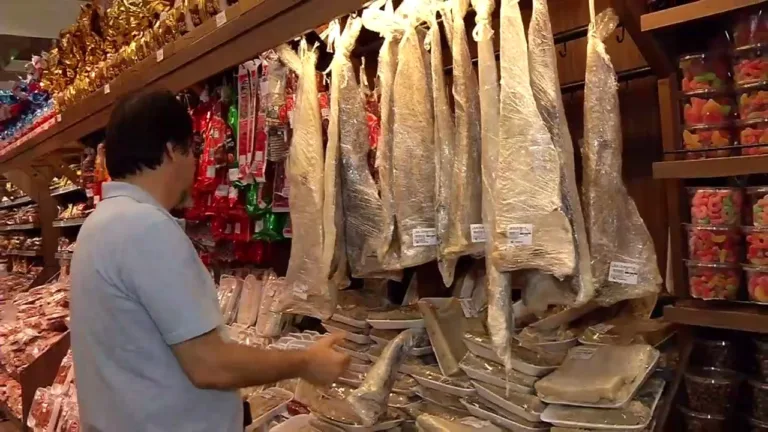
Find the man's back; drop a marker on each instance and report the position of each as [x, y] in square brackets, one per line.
[138, 288]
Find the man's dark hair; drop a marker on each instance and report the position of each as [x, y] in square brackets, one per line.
[139, 128]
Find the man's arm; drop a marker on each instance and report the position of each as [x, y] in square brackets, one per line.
[212, 363]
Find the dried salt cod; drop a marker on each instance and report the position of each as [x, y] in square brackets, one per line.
[430, 423]
[593, 375]
[549, 100]
[530, 228]
[623, 257]
[370, 400]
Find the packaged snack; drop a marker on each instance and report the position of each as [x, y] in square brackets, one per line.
[701, 422]
[711, 390]
[750, 64]
[753, 100]
[715, 206]
[753, 133]
[703, 71]
[758, 201]
[759, 389]
[713, 281]
[718, 244]
[757, 283]
[750, 28]
[708, 109]
[714, 353]
[698, 138]
[757, 242]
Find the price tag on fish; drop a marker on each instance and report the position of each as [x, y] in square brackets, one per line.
[581, 353]
[520, 234]
[424, 237]
[477, 231]
[623, 273]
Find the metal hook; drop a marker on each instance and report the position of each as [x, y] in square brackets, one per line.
[564, 52]
[620, 37]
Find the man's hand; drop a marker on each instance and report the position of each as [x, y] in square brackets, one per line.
[323, 363]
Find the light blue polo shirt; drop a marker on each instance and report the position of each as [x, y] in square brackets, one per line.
[139, 287]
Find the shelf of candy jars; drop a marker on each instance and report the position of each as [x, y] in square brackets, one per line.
[108, 53]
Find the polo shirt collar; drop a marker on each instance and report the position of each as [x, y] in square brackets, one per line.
[117, 189]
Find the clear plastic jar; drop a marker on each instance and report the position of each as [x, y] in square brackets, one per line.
[759, 390]
[708, 109]
[713, 353]
[757, 284]
[757, 244]
[714, 244]
[703, 71]
[758, 205]
[753, 133]
[750, 28]
[700, 138]
[711, 390]
[716, 206]
[713, 281]
[750, 64]
[761, 355]
[753, 101]
[702, 422]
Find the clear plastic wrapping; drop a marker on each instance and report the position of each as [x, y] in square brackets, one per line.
[549, 100]
[530, 228]
[233, 286]
[370, 399]
[250, 301]
[268, 323]
[623, 257]
[307, 290]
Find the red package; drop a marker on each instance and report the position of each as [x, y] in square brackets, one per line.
[44, 411]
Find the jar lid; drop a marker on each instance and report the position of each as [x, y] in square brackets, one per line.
[712, 188]
[714, 375]
[689, 412]
[704, 127]
[751, 229]
[752, 47]
[714, 265]
[751, 86]
[691, 226]
[707, 93]
[751, 122]
[757, 189]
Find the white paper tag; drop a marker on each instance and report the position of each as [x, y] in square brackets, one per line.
[210, 172]
[233, 174]
[258, 155]
[232, 192]
[468, 306]
[96, 200]
[58, 118]
[243, 160]
[520, 234]
[624, 273]
[602, 328]
[258, 225]
[89, 193]
[237, 227]
[221, 190]
[477, 231]
[424, 237]
[107, 89]
[221, 19]
[159, 55]
[325, 112]
[582, 353]
[300, 291]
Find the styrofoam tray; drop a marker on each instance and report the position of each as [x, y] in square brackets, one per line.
[482, 351]
[361, 324]
[359, 367]
[487, 353]
[499, 382]
[396, 324]
[497, 400]
[557, 346]
[635, 388]
[293, 424]
[389, 424]
[499, 420]
[354, 337]
[420, 351]
[445, 388]
[264, 418]
[351, 353]
[549, 417]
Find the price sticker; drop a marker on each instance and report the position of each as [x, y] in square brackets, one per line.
[520, 234]
[477, 232]
[107, 89]
[424, 237]
[232, 193]
[233, 174]
[623, 273]
[581, 353]
[258, 225]
[221, 19]
[160, 55]
[221, 190]
[237, 227]
[602, 328]
[300, 291]
[210, 171]
[58, 118]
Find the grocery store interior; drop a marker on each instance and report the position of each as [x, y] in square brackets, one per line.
[521, 215]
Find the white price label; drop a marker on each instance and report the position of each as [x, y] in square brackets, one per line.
[258, 225]
[602, 328]
[221, 19]
[232, 192]
[624, 273]
[237, 227]
[582, 353]
[221, 190]
[520, 234]
[300, 291]
[233, 174]
[242, 160]
[210, 172]
[424, 237]
[89, 193]
[160, 55]
[58, 118]
[468, 306]
[107, 89]
[96, 200]
[325, 112]
[258, 155]
[477, 231]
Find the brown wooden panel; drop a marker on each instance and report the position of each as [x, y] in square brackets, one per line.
[730, 316]
[708, 168]
[691, 12]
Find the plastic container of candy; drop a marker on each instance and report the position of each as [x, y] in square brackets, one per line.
[757, 284]
[711, 108]
[703, 71]
[753, 100]
[702, 422]
[712, 353]
[758, 204]
[761, 355]
[714, 244]
[753, 133]
[759, 390]
[750, 64]
[711, 390]
[757, 244]
[716, 206]
[750, 28]
[696, 139]
[713, 281]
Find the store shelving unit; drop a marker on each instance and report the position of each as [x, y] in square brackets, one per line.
[68, 222]
[690, 12]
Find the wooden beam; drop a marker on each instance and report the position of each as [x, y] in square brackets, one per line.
[691, 12]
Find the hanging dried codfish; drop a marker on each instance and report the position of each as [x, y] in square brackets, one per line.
[530, 229]
[623, 256]
[546, 90]
[499, 292]
[307, 290]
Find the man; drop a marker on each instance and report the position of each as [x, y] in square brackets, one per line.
[145, 320]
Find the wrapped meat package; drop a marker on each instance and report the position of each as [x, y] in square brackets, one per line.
[432, 423]
[530, 228]
[307, 290]
[549, 100]
[624, 262]
[591, 375]
[250, 300]
[268, 323]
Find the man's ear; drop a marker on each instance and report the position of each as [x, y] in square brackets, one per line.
[169, 151]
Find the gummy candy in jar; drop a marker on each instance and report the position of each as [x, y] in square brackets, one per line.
[757, 283]
[713, 281]
[703, 71]
[715, 206]
[758, 202]
[753, 133]
[757, 245]
[753, 100]
[697, 139]
[750, 64]
[750, 28]
[718, 244]
[708, 109]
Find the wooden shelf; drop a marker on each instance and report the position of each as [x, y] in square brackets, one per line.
[19, 227]
[15, 202]
[64, 255]
[65, 190]
[691, 12]
[706, 168]
[730, 316]
[24, 253]
[68, 222]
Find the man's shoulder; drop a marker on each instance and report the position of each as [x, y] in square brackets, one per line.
[125, 218]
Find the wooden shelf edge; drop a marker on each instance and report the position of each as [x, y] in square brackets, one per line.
[729, 316]
[690, 12]
[707, 168]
